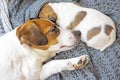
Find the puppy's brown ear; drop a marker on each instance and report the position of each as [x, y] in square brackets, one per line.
[48, 13]
[31, 35]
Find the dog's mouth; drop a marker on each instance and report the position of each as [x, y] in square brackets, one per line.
[66, 47]
[70, 46]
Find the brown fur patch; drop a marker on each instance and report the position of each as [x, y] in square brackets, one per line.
[33, 36]
[38, 33]
[93, 32]
[108, 29]
[78, 18]
[48, 13]
[82, 62]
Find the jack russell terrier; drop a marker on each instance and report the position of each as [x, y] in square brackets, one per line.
[97, 30]
[24, 50]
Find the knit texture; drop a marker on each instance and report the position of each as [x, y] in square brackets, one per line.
[103, 65]
[2, 32]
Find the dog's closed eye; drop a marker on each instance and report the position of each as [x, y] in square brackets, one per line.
[53, 30]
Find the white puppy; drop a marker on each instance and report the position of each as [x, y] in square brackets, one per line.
[23, 51]
[97, 30]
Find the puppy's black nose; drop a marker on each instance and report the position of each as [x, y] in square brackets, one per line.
[77, 33]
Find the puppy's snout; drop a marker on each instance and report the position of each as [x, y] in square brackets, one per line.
[77, 33]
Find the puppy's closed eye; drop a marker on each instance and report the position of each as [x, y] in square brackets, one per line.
[54, 30]
[52, 18]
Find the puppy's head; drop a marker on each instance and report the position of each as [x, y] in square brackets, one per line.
[45, 35]
[38, 33]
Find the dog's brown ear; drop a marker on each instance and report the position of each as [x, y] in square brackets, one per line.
[31, 35]
[48, 13]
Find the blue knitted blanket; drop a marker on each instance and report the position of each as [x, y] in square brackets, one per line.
[103, 65]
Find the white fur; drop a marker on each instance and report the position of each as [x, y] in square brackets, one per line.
[66, 13]
[56, 66]
[21, 62]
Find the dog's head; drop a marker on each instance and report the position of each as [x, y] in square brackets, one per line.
[45, 35]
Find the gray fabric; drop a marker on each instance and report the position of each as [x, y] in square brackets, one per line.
[103, 65]
[22, 10]
[2, 32]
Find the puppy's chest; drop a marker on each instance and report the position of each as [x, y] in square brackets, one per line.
[33, 63]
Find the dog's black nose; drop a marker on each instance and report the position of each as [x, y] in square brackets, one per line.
[77, 33]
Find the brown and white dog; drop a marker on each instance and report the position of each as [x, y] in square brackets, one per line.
[23, 51]
[97, 30]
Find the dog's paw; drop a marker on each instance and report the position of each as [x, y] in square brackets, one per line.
[79, 62]
[55, 66]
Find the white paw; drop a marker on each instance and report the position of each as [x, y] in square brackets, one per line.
[79, 62]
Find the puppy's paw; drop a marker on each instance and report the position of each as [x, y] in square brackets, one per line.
[55, 66]
[79, 62]
[82, 62]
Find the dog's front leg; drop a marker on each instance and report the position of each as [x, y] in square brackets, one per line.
[56, 66]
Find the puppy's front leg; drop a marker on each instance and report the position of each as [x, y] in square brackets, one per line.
[56, 66]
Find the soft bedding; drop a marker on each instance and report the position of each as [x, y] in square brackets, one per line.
[102, 66]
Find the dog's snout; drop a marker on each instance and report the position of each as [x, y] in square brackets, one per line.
[77, 33]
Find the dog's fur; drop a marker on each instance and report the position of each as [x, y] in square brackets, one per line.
[23, 50]
[97, 30]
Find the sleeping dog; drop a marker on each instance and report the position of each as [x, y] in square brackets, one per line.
[24, 50]
[97, 30]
